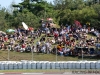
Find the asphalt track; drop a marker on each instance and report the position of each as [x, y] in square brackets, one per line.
[62, 73]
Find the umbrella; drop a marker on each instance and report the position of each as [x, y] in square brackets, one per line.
[10, 30]
[2, 32]
[25, 26]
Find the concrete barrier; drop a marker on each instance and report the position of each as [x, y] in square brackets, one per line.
[33, 64]
[53, 65]
[2, 66]
[20, 65]
[48, 65]
[87, 64]
[78, 65]
[93, 64]
[70, 66]
[82, 65]
[12, 65]
[98, 65]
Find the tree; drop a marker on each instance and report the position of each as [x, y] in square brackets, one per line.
[3, 24]
[62, 11]
[27, 17]
[97, 19]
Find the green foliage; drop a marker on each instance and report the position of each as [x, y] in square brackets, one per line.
[70, 10]
[27, 17]
[62, 11]
[3, 23]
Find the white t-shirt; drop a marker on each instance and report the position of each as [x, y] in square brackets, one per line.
[38, 43]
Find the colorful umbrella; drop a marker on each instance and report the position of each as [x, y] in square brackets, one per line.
[2, 32]
[10, 30]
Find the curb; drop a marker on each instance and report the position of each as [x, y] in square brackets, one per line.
[18, 73]
[2, 73]
[33, 73]
[10, 73]
[53, 72]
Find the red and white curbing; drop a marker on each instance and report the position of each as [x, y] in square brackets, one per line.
[12, 73]
[21, 73]
[9, 73]
[33, 73]
[2, 73]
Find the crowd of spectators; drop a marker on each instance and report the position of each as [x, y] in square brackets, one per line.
[66, 40]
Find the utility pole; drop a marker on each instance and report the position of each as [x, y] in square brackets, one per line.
[56, 55]
[9, 48]
[82, 54]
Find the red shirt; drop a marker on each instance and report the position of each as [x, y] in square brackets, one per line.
[23, 45]
[5, 39]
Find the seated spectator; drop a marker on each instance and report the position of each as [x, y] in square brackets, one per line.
[5, 47]
[17, 48]
[54, 50]
[60, 49]
[5, 38]
[38, 46]
[56, 34]
[28, 48]
[68, 42]
[2, 45]
[66, 51]
[43, 49]
[53, 41]
[23, 47]
[60, 39]
[85, 35]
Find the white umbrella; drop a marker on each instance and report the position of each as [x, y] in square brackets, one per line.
[2, 32]
[25, 26]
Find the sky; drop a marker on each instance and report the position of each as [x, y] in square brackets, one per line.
[6, 3]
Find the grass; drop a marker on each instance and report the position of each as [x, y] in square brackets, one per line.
[47, 70]
[35, 70]
[17, 56]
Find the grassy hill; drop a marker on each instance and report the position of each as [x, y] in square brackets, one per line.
[17, 56]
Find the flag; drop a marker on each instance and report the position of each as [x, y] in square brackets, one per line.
[25, 26]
